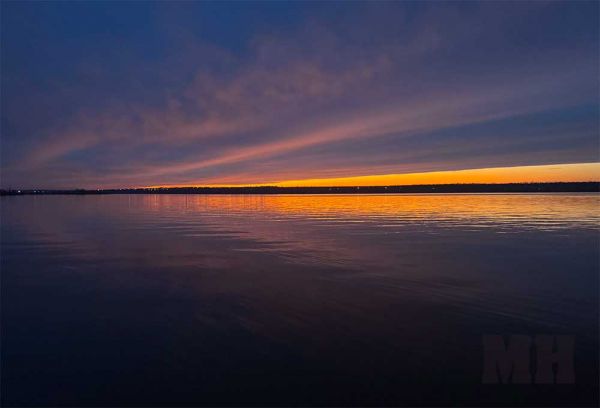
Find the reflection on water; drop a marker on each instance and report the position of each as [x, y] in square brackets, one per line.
[312, 300]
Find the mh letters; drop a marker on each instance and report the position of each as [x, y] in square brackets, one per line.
[543, 359]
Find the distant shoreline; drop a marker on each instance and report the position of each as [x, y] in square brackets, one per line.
[558, 187]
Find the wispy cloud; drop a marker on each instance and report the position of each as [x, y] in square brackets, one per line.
[302, 102]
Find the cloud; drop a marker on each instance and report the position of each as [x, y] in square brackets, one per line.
[381, 75]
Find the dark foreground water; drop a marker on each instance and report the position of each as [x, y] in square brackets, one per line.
[291, 300]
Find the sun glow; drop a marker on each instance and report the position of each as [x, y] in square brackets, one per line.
[519, 174]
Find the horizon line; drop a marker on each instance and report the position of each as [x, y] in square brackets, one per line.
[267, 186]
[547, 173]
[464, 188]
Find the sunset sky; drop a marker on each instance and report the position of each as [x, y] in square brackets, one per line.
[124, 94]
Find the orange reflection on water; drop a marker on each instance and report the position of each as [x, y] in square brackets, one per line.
[533, 210]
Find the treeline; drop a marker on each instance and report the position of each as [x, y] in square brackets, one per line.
[420, 189]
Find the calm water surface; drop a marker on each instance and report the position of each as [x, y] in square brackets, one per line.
[283, 300]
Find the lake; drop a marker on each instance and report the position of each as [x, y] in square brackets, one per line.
[291, 299]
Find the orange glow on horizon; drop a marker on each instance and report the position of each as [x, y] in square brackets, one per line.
[518, 174]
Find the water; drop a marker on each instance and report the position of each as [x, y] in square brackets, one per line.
[291, 300]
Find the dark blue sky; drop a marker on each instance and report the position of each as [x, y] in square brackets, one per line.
[100, 94]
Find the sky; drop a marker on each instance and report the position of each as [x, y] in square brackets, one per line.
[130, 94]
